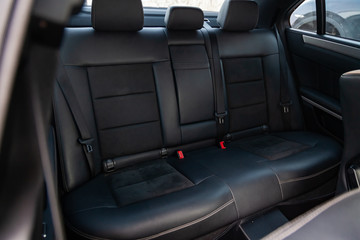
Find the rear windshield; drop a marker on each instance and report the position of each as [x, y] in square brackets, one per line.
[206, 5]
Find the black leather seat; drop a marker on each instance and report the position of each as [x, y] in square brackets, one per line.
[121, 79]
[338, 218]
[146, 93]
[251, 68]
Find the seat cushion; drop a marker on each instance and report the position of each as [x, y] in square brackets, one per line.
[264, 170]
[149, 200]
[301, 160]
[253, 185]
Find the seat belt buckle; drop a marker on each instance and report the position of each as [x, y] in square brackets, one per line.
[109, 165]
[163, 153]
[180, 154]
[286, 106]
[87, 143]
[221, 117]
[222, 145]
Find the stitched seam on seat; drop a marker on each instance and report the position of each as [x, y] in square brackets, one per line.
[247, 81]
[129, 125]
[277, 177]
[204, 179]
[248, 105]
[301, 221]
[124, 95]
[249, 56]
[93, 208]
[114, 64]
[147, 180]
[309, 176]
[232, 194]
[288, 140]
[189, 223]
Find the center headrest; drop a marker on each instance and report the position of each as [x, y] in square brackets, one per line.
[238, 15]
[184, 18]
[117, 15]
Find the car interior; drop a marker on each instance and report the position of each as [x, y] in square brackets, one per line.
[131, 122]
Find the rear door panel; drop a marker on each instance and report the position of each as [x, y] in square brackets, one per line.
[319, 61]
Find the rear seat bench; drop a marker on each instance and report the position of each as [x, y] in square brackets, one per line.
[146, 93]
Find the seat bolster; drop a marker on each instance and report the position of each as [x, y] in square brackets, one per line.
[203, 207]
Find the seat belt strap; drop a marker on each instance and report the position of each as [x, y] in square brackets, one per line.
[85, 138]
[220, 109]
[285, 99]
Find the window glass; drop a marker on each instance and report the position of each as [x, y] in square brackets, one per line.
[206, 5]
[343, 18]
[304, 16]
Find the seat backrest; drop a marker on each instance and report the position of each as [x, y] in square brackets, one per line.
[116, 69]
[192, 74]
[251, 70]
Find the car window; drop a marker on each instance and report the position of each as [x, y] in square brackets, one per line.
[304, 16]
[342, 18]
[208, 5]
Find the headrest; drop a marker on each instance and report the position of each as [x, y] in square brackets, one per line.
[117, 15]
[184, 18]
[238, 15]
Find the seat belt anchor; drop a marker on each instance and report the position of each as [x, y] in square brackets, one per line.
[87, 143]
[286, 106]
[163, 153]
[109, 165]
[221, 117]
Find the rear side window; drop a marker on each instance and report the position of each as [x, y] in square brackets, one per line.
[206, 5]
[304, 16]
[342, 18]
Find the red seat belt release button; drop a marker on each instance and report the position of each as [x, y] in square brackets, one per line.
[222, 145]
[180, 155]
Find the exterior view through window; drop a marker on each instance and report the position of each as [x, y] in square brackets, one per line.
[342, 18]
[208, 5]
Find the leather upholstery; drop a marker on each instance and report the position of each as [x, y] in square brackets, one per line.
[147, 91]
[184, 18]
[349, 97]
[94, 210]
[252, 78]
[238, 15]
[117, 15]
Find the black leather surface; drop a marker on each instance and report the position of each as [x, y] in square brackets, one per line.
[192, 75]
[314, 162]
[184, 18]
[83, 209]
[252, 76]
[87, 47]
[249, 181]
[349, 97]
[117, 15]
[303, 161]
[238, 15]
